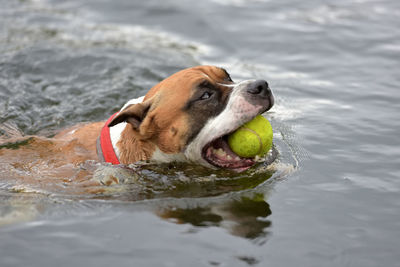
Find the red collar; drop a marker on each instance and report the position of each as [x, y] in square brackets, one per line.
[105, 149]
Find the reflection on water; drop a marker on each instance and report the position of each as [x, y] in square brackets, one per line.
[245, 217]
[242, 215]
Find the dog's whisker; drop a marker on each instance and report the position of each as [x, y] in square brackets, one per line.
[227, 85]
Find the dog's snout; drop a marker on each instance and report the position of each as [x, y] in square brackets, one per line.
[259, 87]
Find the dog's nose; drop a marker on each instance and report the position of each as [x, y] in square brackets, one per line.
[259, 87]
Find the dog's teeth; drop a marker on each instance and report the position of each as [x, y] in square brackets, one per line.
[237, 158]
[229, 157]
[220, 152]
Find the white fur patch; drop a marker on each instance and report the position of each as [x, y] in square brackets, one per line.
[133, 101]
[116, 130]
[115, 135]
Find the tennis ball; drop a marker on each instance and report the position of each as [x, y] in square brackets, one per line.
[252, 138]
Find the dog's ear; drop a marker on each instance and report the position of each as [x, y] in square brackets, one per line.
[133, 114]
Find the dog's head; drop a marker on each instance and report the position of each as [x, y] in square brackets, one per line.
[188, 115]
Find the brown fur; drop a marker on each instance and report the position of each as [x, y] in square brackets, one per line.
[130, 139]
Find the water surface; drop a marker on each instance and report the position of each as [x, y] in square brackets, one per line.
[332, 197]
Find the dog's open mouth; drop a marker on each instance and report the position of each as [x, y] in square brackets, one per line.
[219, 154]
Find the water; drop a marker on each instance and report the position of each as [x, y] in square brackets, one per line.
[332, 198]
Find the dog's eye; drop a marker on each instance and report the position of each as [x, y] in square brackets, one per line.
[206, 95]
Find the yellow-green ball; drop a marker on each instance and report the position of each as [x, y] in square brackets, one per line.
[252, 139]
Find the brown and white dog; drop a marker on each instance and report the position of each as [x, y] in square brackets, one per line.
[184, 118]
[187, 116]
